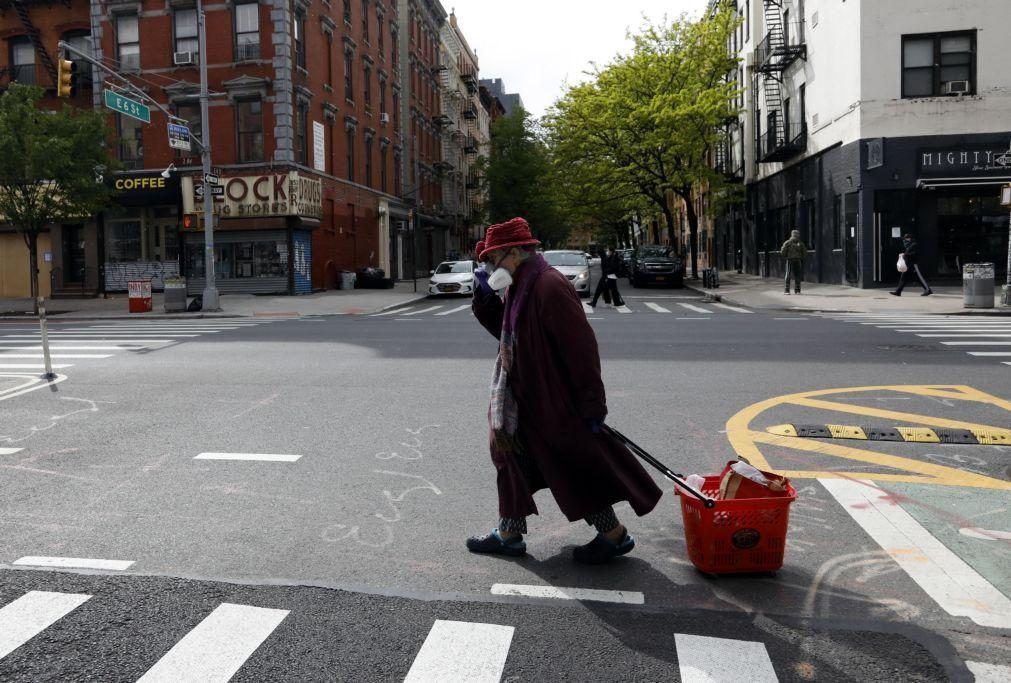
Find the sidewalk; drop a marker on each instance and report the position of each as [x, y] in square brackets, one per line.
[337, 302]
[767, 293]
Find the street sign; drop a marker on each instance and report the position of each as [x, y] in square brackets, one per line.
[179, 137]
[124, 105]
[211, 178]
[216, 191]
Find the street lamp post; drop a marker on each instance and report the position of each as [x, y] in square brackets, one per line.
[211, 300]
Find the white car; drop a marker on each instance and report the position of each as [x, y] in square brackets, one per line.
[452, 278]
[574, 266]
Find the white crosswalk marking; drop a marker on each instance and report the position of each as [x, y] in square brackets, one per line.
[55, 356]
[218, 646]
[32, 613]
[455, 310]
[942, 574]
[976, 343]
[424, 310]
[33, 366]
[462, 652]
[562, 593]
[587, 308]
[702, 659]
[989, 673]
[623, 309]
[390, 312]
[73, 563]
[657, 307]
[118, 347]
[697, 309]
[9, 451]
[964, 336]
[991, 354]
[735, 309]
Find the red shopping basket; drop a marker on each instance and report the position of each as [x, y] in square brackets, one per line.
[743, 535]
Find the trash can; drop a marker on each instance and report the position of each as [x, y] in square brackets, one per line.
[139, 293]
[175, 295]
[347, 279]
[977, 285]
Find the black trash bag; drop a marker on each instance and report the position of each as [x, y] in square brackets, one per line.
[196, 305]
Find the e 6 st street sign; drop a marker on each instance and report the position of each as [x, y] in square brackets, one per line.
[124, 105]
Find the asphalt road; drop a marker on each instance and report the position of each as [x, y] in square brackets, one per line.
[354, 538]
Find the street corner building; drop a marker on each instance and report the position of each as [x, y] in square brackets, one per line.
[863, 121]
[330, 144]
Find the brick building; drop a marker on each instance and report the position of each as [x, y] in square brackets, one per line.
[305, 115]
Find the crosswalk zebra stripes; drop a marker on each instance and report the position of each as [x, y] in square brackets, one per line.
[105, 339]
[646, 307]
[977, 336]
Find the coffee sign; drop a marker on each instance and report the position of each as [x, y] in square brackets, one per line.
[274, 194]
[964, 162]
[145, 189]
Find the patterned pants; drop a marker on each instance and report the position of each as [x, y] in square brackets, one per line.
[602, 521]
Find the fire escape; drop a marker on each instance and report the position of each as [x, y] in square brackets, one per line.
[783, 45]
[21, 9]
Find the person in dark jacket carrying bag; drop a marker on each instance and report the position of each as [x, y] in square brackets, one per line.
[608, 285]
[910, 254]
[793, 252]
[548, 405]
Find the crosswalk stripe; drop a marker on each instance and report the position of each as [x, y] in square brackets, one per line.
[697, 309]
[71, 348]
[963, 336]
[990, 354]
[424, 310]
[562, 593]
[10, 451]
[103, 335]
[735, 309]
[587, 308]
[623, 309]
[703, 659]
[55, 356]
[989, 673]
[455, 310]
[955, 586]
[88, 340]
[218, 646]
[656, 307]
[976, 343]
[259, 457]
[32, 613]
[462, 652]
[73, 563]
[391, 312]
[32, 366]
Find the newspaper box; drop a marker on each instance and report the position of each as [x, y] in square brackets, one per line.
[140, 296]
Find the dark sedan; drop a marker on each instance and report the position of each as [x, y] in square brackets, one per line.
[655, 265]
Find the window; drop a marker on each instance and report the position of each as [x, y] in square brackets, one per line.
[383, 154]
[837, 222]
[349, 139]
[347, 12]
[249, 127]
[22, 61]
[368, 84]
[368, 160]
[329, 59]
[396, 109]
[298, 28]
[82, 42]
[302, 134]
[190, 113]
[802, 93]
[382, 96]
[127, 41]
[398, 162]
[395, 46]
[131, 142]
[349, 83]
[123, 242]
[380, 35]
[365, 20]
[184, 23]
[247, 31]
[939, 64]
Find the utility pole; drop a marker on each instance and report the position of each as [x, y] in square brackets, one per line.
[210, 297]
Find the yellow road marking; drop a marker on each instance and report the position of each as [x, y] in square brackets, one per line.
[846, 432]
[888, 414]
[918, 434]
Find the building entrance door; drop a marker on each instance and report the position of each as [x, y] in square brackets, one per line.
[852, 227]
[73, 254]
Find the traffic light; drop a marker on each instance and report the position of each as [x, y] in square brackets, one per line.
[192, 221]
[67, 78]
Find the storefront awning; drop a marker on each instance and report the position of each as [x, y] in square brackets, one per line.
[934, 183]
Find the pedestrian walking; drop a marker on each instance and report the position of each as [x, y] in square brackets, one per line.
[910, 254]
[608, 284]
[793, 252]
[548, 405]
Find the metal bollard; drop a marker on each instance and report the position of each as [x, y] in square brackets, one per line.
[49, 374]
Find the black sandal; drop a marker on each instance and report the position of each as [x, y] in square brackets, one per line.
[494, 544]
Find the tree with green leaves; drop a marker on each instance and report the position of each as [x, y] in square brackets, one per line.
[52, 165]
[519, 178]
[645, 126]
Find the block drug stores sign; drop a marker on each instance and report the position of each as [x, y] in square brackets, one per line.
[964, 162]
[273, 194]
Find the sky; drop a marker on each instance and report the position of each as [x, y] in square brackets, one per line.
[536, 46]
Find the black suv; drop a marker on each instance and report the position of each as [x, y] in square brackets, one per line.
[655, 265]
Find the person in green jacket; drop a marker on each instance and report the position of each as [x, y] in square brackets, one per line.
[793, 252]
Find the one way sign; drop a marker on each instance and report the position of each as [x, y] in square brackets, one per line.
[216, 191]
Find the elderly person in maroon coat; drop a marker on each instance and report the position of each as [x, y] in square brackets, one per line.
[548, 404]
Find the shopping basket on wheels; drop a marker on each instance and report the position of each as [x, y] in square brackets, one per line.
[742, 535]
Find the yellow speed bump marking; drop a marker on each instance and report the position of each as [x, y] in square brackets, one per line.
[750, 443]
[918, 434]
[846, 432]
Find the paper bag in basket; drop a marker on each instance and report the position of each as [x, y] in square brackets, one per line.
[741, 480]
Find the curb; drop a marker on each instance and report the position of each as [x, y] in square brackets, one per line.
[389, 307]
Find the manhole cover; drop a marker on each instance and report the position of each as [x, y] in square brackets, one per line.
[906, 347]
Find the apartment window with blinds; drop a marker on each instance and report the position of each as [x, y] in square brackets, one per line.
[380, 35]
[939, 64]
[383, 171]
[367, 74]
[247, 31]
[249, 129]
[22, 61]
[128, 41]
[299, 33]
[349, 83]
[347, 12]
[368, 160]
[184, 24]
[365, 20]
[349, 139]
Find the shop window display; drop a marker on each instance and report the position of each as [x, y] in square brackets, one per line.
[263, 259]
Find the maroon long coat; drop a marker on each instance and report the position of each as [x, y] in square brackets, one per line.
[556, 381]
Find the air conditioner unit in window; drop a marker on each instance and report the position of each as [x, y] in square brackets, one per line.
[955, 87]
[384, 118]
[183, 58]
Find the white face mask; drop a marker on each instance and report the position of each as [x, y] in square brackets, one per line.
[500, 279]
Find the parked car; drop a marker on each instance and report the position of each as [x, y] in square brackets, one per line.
[452, 277]
[626, 261]
[655, 265]
[574, 266]
[591, 259]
